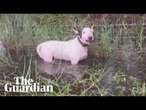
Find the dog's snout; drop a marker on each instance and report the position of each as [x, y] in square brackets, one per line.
[90, 38]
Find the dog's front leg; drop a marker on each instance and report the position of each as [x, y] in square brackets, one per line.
[74, 61]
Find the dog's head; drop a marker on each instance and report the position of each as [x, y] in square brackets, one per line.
[87, 35]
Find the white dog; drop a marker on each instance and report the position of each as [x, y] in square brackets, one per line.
[73, 50]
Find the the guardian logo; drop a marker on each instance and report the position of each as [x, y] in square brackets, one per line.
[26, 85]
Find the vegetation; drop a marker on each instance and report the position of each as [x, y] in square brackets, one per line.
[117, 58]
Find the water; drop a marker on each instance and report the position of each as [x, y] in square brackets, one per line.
[64, 68]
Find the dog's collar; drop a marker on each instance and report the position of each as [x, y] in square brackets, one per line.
[83, 44]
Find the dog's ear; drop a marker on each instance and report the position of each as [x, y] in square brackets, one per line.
[92, 27]
[75, 31]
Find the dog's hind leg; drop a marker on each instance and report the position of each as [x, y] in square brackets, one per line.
[48, 59]
[47, 56]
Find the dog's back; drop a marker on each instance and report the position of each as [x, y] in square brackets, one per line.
[54, 48]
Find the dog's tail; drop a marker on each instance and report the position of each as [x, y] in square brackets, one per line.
[38, 50]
